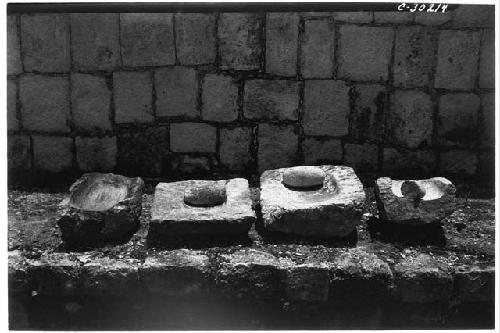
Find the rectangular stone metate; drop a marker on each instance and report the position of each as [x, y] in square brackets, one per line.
[171, 216]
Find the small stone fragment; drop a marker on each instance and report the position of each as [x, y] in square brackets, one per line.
[206, 194]
[304, 177]
[415, 201]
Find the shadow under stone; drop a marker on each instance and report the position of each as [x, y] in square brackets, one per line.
[427, 234]
[197, 241]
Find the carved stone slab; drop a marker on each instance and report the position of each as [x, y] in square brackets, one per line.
[333, 210]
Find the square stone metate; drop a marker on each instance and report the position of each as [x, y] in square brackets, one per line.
[332, 210]
[171, 216]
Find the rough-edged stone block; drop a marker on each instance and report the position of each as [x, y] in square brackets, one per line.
[361, 156]
[408, 161]
[53, 154]
[14, 63]
[475, 284]
[141, 152]
[307, 282]
[195, 38]
[147, 39]
[487, 129]
[17, 273]
[18, 152]
[176, 92]
[192, 138]
[133, 95]
[487, 60]
[435, 19]
[54, 274]
[422, 279]
[365, 52]
[189, 165]
[413, 57]
[458, 54]
[240, 36]
[95, 41]
[393, 17]
[271, 99]
[249, 273]
[317, 49]
[282, 31]
[12, 122]
[105, 277]
[176, 273]
[219, 98]
[46, 43]
[96, 154]
[171, 216]
[100, 207]
[322, 151]
[353, 17]
[234, 147]
[333, 210]
[414, 105]
[473, 16]
[44, 103]
[326, 108]
[90, 102]
[277, 146]
[459, 162]
[370, 103]
[458, 119]
[415, 201]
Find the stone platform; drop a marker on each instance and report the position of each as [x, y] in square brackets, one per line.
[386, 276]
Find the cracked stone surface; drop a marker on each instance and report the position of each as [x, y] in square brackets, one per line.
[415, 201]
[331, 211]
[171, 216]
[100, 207]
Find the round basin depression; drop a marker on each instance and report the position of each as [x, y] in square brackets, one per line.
[426, 189]
[309, 183]
[207, 194]
[99, 194]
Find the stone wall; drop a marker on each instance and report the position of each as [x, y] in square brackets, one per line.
[239, 93]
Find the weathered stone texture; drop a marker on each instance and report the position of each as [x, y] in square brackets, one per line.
[458, 53]
[459, 162]
[326, 108]
[458, 119]
[192, 138]
[473, 16]
[219, 98]
[142, 152]
[96, 154]
[12, 122]
[370, 104]
[393, 17]
[240, 37]
[14, 63]
[133, 95]
[414, 56]
[365, 52]
[307, 282]
[353, 17]
[176, 92]
[110, 277]
[277, 146]
[147, 39]
[90, 102]
[95, 41]
[234, 147]
[195, 38]
[475, 284]
[361, 156]
[321, 151]
[282, 30]
[46, 42]
[487, 129]
[189, 165]
[414, 105]
[434, 19]
[271, 99]
[18, 152]
[44, 103]
[317, 49]
[53, 154]
[409, 162]
[487, 60]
